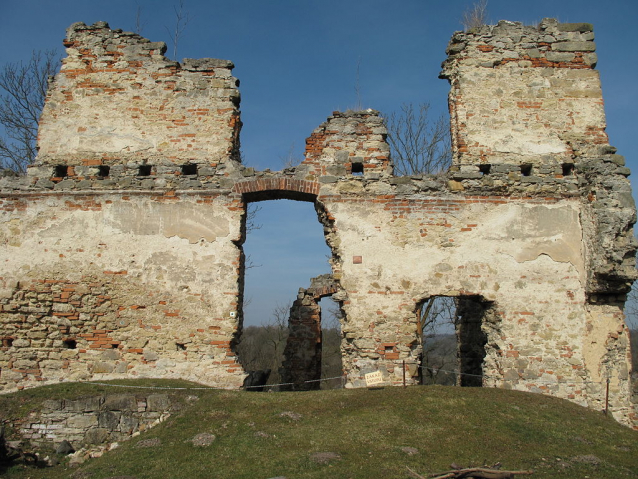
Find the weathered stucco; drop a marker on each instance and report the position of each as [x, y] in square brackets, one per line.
[123, 260]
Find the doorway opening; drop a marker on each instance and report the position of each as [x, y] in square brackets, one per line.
[453, 337]
[284, 247]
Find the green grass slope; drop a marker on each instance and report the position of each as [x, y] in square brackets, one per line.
[265, 435]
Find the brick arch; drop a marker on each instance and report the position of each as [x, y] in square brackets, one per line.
[324, 291]
[277, 188]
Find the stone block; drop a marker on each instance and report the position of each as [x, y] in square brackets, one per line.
[82, 421]
[574, 47]
[96, 435]
[120, 402]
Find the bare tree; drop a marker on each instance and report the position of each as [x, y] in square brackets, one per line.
[182, 18]
[475, 16]
[23, 89]
[290, 160]
[262, 347]
[139, 24]
[437, 319]
[418, 145]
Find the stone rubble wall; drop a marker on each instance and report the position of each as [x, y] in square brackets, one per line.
[302, 354]
[120, 285]
[524, 95]
[126, 274]
[95, 420]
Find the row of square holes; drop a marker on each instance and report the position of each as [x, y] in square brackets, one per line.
[526, 170]
[62, 171]
[68, 343]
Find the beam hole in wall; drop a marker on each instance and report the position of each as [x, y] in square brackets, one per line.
[61, 171]
[144, 170]
[103, 171]
[70, 343]
[7, 342]
[284, 248]
[180, 346]
[189, 169]
[568, 169]
[485, 168]
[526, 170]
[357, 169]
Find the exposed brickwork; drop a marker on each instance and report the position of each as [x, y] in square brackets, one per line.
[540, 97]
[102, 95]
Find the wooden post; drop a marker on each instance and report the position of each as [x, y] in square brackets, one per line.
[404, 373]
[607, 398]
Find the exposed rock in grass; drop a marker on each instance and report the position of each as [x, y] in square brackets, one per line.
[410, 451]
[325, 457]
[291, 415]
[202, 439]
[152, 442]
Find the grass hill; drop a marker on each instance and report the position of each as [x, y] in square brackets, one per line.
[354, 434]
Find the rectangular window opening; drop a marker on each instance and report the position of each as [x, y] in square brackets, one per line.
[485, 169]
[70, 344]
[103, 171]
[526, 170]
[144, 170]
[189, 169]
[61, 171]
[357, 169]
[568, 169]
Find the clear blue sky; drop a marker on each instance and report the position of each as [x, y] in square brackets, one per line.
[297, 62]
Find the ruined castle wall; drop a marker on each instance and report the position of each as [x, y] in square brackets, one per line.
[524, 95]
[99, 286]
[114, 273]
[118, 100]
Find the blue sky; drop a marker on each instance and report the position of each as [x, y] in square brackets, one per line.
[297, 62]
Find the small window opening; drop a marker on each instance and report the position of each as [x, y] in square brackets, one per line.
[70, 344]
[389, 349]
[114, 346]
[568, 169]
[189, 169]
[144, 170]
[61, 171]
[180, 346]
[103, 171]
[526, 170]
[357, 169]
[485, 169]
[7, 342]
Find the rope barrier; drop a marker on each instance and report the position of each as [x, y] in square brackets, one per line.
[343, 378]
[538, 380]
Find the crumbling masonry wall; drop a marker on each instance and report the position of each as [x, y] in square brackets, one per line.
[123, 258]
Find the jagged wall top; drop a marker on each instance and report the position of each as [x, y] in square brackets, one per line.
[117, 100]
[525, 95]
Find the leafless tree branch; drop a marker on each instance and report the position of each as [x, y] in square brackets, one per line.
[182, 18]
[475, 16]
[23, 89]
[417, 145]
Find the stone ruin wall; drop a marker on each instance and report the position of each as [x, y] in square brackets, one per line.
[135, 272]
